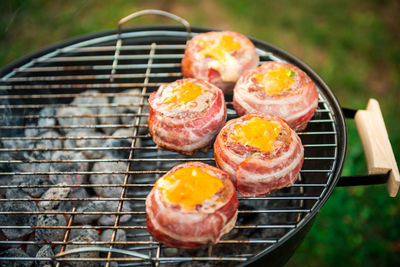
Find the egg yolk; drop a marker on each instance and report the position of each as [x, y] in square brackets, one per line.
[257, 133]
[276, 80]
[218, 48]
[189, 186]
[183, 94]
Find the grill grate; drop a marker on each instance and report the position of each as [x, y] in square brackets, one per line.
[147, 59]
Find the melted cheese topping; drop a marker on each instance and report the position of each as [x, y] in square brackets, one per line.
[257, 133]
[276, 80]
[219, 48]
[189, 186]
[183, 94]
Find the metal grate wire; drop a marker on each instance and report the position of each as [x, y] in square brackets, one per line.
[147, 59]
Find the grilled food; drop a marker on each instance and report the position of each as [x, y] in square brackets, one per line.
[186, 115]
[279, 89]
[261, 153]
[191, 205]
[219, 58]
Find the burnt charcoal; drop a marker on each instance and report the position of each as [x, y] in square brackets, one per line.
[120, 236]
[50, 234]
[15, 253]
[78, 166]
[131, 106]
[105, 119]
[16, 193]
[48, 120]
[43, 144]
[18, 219]
[108, 178]
[123, 142]
[112, 264]
[56, 193]
[109, 219]
[91, 97]
[25, 181]
[90, 254]
[133, 121]
[80, 192]
[32, 249]
[89, 206]
[12, 144]
[85, 123]
[85, 231]
[44, 252]
[4, 180]
[40, 153]
[5, 167]
[85, 143]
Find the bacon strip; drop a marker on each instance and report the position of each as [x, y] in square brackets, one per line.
[243, 59]
[173, 226]
[255, 173]
[190, 130]
[297, 106]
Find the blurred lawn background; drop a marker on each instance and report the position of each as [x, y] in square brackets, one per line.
[353, 45]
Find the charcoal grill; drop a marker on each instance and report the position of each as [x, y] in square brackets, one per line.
[145, 58]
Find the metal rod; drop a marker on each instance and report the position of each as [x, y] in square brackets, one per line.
[75, 86]
[95, 67]
[73, 75]
[91, 77]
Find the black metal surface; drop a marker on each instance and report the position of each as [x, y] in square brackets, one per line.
[371, 179]
[349, 112]
[315, 192]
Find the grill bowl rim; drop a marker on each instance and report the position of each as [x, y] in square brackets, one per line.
[333, 103]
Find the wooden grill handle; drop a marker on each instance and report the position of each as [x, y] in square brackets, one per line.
[377, 148]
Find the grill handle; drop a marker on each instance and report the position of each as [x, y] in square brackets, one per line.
[138, 14]
[381, 163]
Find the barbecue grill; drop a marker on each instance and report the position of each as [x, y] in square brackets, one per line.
[130, 64]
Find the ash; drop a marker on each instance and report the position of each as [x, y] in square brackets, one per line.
[76, 166]
[91, 98]
[109, 219]
[90, 254]
[49, 201]
[83, 139]
[15, 253]
[85, 122]
[120, 148]
[40, 152]
[25, 181]
[108, 120]
[46, 121]
[107, 234]
[129, 106]
[18, 219]
[50, 234]
[111, 178]
[45, 252]
[93, 205]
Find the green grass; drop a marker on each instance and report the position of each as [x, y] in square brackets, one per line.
[353, 45]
